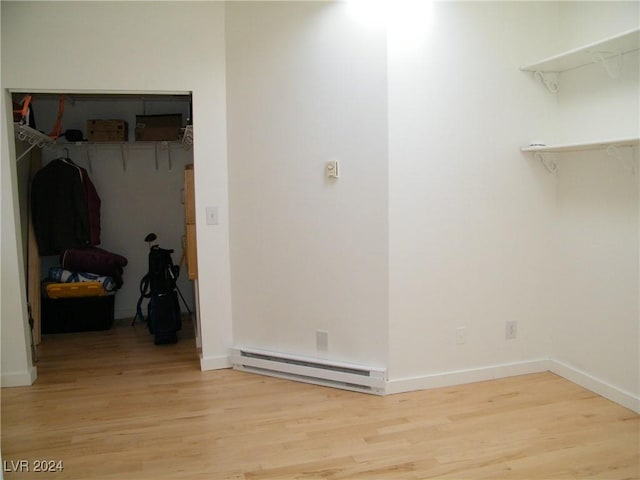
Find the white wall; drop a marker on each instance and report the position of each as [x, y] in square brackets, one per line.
[17, 367]
[478, 236]
[591, 103]
[471, 218]
[596, 328]
[581, 23]
[162, 46]
[437, 222]
[306, 85]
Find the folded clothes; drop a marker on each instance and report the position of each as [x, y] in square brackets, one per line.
[96, 260]
[58, 274]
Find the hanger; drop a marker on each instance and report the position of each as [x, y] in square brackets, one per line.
[69, 162]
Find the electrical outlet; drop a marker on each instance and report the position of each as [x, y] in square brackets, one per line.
[461, 335]
[322, 340]
[511, 330]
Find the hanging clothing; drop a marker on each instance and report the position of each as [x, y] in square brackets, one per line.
[93, 208]
[60, 208]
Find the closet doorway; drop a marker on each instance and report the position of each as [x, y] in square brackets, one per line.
[139, 175]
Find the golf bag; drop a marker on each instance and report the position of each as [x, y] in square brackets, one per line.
[159, 286]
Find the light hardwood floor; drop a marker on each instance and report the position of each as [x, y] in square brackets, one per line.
[111, 405]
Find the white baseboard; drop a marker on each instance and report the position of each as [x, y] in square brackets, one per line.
[596, 385]
[215, 363]
[460, 377]
[19, 379]
[446, 379]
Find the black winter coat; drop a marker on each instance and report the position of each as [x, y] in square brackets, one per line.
[59, 208]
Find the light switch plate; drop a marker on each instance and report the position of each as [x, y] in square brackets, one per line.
[212, 215]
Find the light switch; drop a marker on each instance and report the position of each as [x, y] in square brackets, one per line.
[212, 215]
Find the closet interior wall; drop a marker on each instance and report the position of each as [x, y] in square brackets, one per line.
[140, 184]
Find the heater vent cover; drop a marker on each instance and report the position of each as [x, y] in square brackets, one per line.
[342, 375]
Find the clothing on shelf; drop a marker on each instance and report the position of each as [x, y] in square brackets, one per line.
[94, 260]
[60, 275]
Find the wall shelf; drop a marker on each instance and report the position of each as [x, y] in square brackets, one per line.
[545, 153]
[609, 52]
[583, 146]
[608, 47]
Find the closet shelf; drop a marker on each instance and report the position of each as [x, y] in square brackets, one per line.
[583, 146]
[39, 139]
[597, 51]
[32, 136]
[126, 147]
[163, 143]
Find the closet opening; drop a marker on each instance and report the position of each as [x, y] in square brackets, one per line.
[135, 150]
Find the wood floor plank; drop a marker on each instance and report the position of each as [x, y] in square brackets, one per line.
[111, 405]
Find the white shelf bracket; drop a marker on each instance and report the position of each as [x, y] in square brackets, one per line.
[24, 154]
[551, 80]
[548, 161]
[611, 62]
[627, 163]
[613, 151]
[34, 138]
[187, 137]
[166, 145]
[124, 152]
[157, 146]
[89, 160]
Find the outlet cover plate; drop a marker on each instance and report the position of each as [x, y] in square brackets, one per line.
[511, 330]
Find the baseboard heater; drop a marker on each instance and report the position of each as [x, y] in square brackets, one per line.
[346, 376]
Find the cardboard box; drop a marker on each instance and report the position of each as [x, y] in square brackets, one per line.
[106, 137]
[153, 128]
[107, 131]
